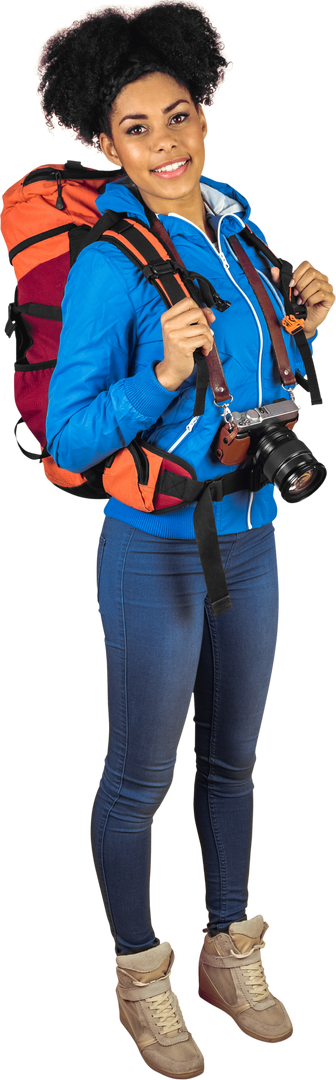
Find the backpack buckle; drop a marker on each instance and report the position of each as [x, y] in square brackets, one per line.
[292, 324]
[11, 322]
[9, 327]
[158, 269]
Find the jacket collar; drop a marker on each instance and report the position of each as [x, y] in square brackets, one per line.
[223, 200]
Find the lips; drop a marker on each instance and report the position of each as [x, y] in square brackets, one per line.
[172, 162]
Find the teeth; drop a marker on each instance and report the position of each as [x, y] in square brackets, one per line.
[171, 168]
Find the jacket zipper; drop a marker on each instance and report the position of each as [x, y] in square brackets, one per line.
[186, 432]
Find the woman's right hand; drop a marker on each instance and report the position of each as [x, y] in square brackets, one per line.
[185, 327]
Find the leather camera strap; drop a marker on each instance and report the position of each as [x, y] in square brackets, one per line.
[280, 352]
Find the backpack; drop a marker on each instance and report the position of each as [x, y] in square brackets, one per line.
[48, 217]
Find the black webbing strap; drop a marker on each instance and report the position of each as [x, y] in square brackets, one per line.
[205, 492]
[38, 237]
[40, 311]
[28, 453]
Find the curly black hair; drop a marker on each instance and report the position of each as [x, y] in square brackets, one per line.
[84, 67]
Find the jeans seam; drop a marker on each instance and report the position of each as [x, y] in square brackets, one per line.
[126, 719]
[214, 824]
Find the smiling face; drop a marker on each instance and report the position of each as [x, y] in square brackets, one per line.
[157, 135]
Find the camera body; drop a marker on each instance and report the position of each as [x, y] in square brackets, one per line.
[265, 435]
[232, 449]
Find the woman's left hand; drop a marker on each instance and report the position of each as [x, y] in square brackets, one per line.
[313, 289]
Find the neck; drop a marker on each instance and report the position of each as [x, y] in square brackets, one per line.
[190, 207]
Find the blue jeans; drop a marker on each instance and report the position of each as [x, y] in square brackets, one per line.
[163, 645]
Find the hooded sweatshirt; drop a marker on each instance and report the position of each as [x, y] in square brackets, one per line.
[104, 390]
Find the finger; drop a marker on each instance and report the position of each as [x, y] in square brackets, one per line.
[183, 305]
[209, 315]
[316, 288]
[307, 285]
[200, 320]
[195, 317]
[303, 280]
[302, 276]
[187, 318]
[300, 280]
[189, 329]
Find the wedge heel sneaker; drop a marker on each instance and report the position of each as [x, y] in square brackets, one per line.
[231, 976]
[150, 1012]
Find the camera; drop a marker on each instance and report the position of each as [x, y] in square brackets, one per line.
[266, 435]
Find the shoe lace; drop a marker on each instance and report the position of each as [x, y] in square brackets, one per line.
[163, 1008]
[256, 978]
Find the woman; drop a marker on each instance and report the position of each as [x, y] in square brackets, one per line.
[133, 85]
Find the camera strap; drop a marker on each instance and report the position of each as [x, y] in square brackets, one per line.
[279, 349]
[293, 321]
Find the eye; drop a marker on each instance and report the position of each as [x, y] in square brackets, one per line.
[135, 128]
[179, 115]
[131, 130]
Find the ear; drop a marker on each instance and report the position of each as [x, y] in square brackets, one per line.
[204, 119]
[108, 151]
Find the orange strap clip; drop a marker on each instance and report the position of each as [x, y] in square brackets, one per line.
[292, 324]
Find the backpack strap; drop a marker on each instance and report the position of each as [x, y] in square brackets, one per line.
[159, 263]
[293, 322]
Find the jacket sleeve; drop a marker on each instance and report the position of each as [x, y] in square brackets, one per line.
[95, 406]
[311, 339]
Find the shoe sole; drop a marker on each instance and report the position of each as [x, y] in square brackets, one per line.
[276, 1041]
[163, 1072]
[261, 1038]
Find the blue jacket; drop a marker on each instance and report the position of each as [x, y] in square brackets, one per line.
[104, 389]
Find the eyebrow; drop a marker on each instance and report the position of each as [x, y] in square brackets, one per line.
[143, 116]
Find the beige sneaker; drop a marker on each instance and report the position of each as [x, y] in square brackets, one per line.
[232, 977]
[151, 1014]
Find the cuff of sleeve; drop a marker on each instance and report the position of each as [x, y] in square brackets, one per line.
[314, 336]
[146, 395]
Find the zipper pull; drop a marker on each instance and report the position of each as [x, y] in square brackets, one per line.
[192, 423]
[186, 431]
[60, 205]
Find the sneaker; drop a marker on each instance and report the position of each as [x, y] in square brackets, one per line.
[151, 1013]
[232, 977]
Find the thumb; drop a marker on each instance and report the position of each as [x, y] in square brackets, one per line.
[275, 273]
[209, 315]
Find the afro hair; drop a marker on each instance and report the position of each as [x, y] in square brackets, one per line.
[84, 67]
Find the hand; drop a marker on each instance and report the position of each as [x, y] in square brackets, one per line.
[313, 289]
[185, 327]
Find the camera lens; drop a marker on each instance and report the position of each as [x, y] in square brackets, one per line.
[287, 462]
[302, 482]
